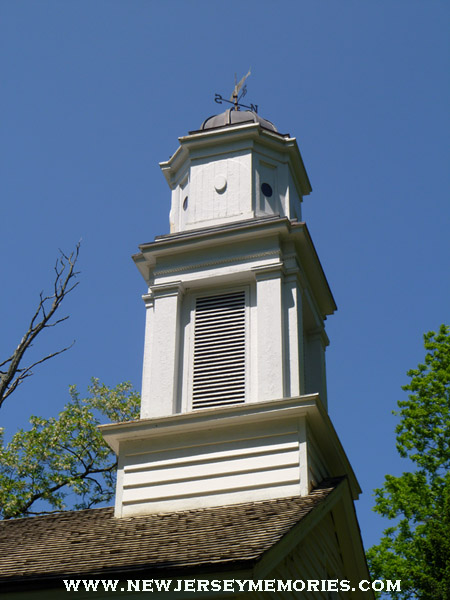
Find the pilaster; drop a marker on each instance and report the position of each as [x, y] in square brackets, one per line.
[295, 377]
[270, 349]
[159, 389]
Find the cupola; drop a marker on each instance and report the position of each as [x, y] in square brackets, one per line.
[237, 166]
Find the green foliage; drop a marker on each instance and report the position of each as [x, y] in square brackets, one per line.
[65, 456]
[416, 549]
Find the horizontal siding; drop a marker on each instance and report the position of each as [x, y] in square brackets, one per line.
[217, 468]
[212, 471]
[216, 451]
[187, 484]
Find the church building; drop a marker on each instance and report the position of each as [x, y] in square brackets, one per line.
[234, 472]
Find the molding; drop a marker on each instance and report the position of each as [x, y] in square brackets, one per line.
[205, 139]
[350, 542]
[212, 231]
[148, 299]
[319, 332]
[172, 246]
[213, 263]
[163, 290]
[247, 414]
[269, 271]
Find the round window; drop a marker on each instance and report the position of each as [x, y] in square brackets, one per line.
[266, 190]
[185, 203]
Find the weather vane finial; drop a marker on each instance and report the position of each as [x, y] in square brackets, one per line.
[235, 97]
[237, 87]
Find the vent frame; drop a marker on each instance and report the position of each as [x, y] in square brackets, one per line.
[213, 356]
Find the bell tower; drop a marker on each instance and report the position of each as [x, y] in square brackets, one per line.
[237, 296]
[234, 399]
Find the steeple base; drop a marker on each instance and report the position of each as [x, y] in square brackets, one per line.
[225, 456]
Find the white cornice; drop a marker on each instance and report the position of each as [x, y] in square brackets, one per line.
[213, 263]
[178, 245]
[248, 414]
[248, 132]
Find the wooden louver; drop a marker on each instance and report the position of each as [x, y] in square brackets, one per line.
[219, 350]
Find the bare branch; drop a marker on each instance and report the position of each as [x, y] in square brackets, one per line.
[57, 322]
[48, 305]
[22, 374]
[5, 362]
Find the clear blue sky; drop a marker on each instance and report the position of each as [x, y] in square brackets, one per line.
[95, 93]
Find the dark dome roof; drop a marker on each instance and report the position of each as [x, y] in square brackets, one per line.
[235, 117]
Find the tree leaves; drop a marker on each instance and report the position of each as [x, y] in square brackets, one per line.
[416, 549]
[423, 433]
[65, 458]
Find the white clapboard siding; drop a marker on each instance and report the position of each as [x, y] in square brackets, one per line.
[212, 470]
[198, 471]
[217, 484]
[216, 451]
[219, 373]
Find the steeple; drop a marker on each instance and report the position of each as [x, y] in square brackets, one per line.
[236, 247]
[234, 400]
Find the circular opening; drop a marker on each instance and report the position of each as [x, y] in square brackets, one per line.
[185, 203]
[266, 190]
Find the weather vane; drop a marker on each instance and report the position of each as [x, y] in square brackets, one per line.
[235, 97]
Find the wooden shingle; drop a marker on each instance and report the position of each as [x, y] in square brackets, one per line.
[93, 542]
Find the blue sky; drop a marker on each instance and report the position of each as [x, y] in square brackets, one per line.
[95, 94]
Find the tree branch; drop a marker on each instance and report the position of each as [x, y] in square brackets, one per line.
[63, 284]
[43, 494]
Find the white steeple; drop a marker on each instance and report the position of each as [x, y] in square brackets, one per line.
[238, 250]
[234, 389]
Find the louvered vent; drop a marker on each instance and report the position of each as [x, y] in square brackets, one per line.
[219, 351]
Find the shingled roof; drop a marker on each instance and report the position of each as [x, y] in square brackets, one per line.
[78, 543]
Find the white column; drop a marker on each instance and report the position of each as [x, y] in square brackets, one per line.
[294, 336]
[161, 354]
[148, 345]
[270, 342]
